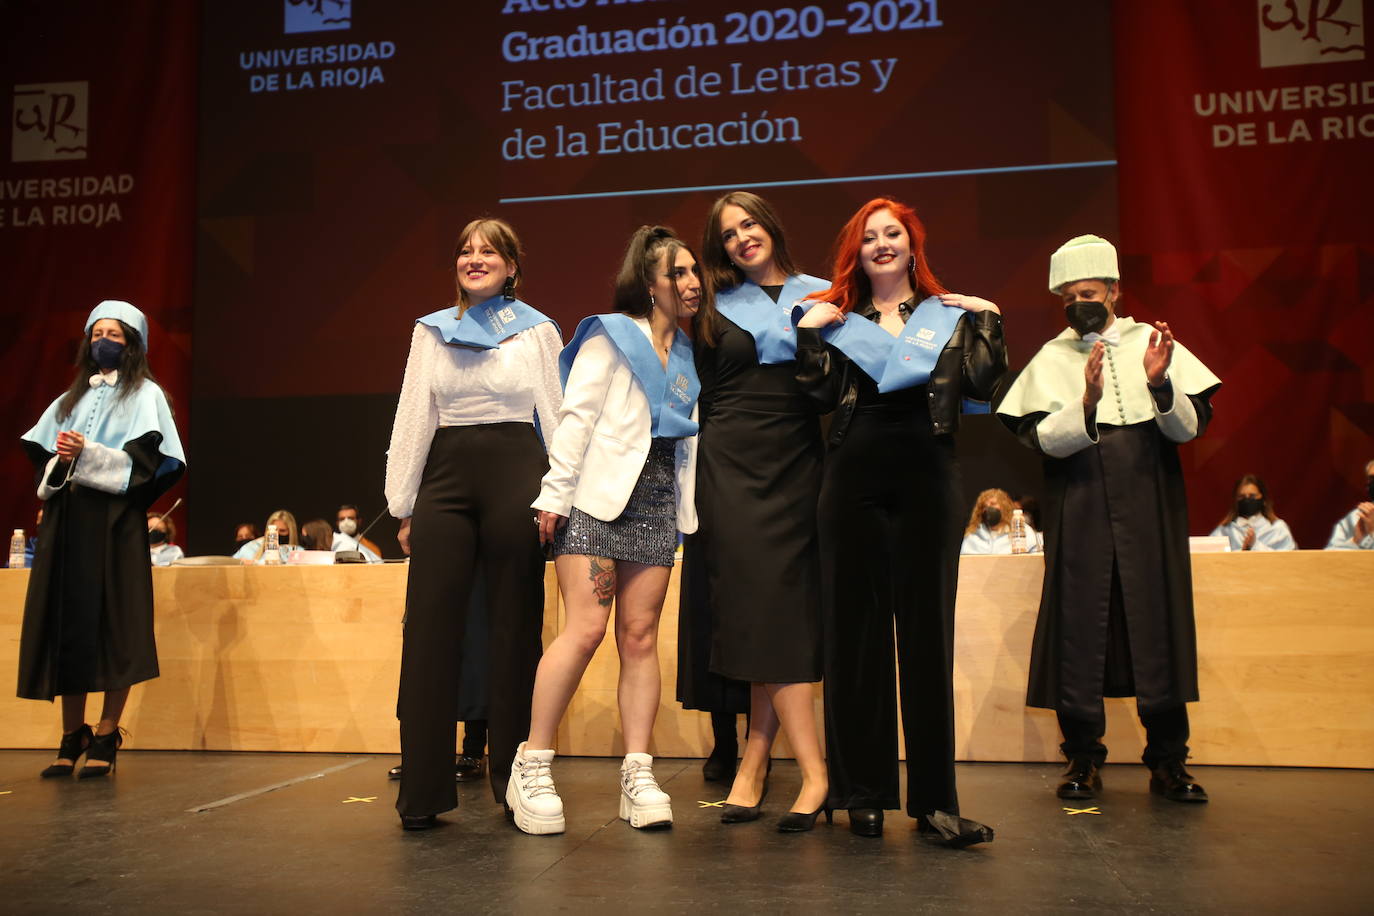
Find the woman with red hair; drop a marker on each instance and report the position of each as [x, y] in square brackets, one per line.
[894, 355]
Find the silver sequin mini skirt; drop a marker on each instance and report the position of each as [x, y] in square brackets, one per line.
[646, 532]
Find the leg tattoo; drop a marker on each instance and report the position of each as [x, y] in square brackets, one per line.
[601, 572]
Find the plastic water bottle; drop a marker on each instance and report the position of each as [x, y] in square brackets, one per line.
[1018, 531]
[271, 550]
[17, 549]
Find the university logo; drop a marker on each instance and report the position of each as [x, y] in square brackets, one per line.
[49, 122]
[316, 15]
[680, 386]
[507, 315]
[1310, 31]
[926, 334]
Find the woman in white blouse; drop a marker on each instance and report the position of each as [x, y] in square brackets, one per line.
[464, 465]
[620, 486]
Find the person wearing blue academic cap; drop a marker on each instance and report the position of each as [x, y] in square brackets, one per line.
[104, 452]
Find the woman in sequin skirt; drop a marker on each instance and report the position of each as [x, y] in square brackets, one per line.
[619, 488]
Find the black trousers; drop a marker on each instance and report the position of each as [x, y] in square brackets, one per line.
[473, 509]
[1166, 736]
[890, 524]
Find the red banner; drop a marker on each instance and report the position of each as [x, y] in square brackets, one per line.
[97, 185]
[1245, 133]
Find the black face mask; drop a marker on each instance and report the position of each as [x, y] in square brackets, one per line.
[307, 542]
[992, 516]
[156, 536]
[107, 353]
[1247, 506]
[1086, 317]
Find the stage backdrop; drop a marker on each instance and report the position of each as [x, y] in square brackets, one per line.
[96, 200]
[343, 146]
[1246, 138]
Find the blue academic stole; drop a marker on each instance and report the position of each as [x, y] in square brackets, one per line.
[771, 324]
[899, 362]
[484, 326]
[675, 387]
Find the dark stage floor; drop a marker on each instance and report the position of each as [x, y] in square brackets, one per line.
[1270, 841]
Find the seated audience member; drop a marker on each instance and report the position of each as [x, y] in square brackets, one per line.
[288, 541]
[162, 536]
[989, 526]
[243, 533]
[1251, 524]
[349, 523]
[317, 534]
[1356, 530]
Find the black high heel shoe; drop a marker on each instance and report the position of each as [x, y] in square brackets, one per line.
[743, 814]
[103, 749]
[71, 748]
[798, 822]
[866, 821]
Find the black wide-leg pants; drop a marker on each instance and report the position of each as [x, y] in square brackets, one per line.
[890, 524]
[472, 510]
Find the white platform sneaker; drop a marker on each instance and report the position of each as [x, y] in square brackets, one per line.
[642, 802]
[531, 798]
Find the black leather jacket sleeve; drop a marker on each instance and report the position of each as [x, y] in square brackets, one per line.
[970, 366]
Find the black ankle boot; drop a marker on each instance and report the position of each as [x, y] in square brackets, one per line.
[866, 821]
[71, 748]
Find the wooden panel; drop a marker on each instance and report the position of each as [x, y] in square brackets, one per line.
[307, 658]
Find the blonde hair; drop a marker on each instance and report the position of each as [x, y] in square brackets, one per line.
[501, 236]
[993, 497]
[291, 531]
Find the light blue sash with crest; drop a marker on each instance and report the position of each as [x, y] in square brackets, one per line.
[900, 362]
[772, 324]
[484, 326]
[672, 392]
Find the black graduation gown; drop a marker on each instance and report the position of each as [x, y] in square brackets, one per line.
[88, 614]
[1116, 519]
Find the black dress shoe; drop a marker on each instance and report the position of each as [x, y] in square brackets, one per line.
[801, 822]
[866, 821]
[952, 830]
[1083, 779]
[468, 769]
[1175, 783]
[721, 765]
[394, 772]
[418, 821]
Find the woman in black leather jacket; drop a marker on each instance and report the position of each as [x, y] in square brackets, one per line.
[891, 511]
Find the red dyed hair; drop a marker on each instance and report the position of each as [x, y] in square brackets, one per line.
[850, 284]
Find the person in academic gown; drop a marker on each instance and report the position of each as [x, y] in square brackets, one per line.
[622, 464]
[988, 531]
[894, 355]
[162, 534]
[1356, 530]
[749, 618]
[464, 463]
[1251, 523]
[104, 451]
[1106, 403]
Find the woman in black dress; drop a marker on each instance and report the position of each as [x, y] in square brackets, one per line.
[758, 477]
[104, 451]
[891, 511]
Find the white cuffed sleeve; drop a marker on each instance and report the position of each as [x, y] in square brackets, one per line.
[548, 389]
[417, 417]
[1179, 422]
[687, 479]
[583, 398]
[1065, 431]
[103, 468]
[46, 489]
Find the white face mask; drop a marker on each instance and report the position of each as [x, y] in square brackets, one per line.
[348, 526]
